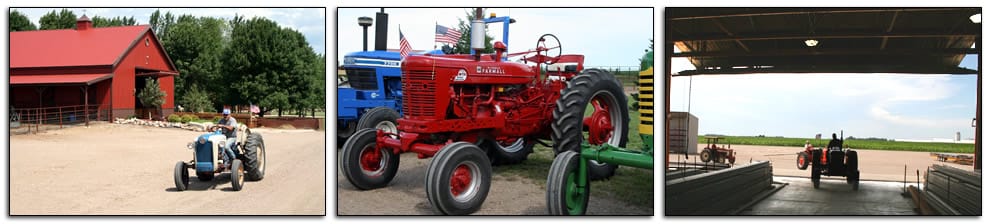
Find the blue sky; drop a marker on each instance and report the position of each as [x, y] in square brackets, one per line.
[309, 21]
[606, 36]
[800, 105]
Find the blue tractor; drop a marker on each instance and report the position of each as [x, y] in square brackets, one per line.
[248, 160]
[372, 96]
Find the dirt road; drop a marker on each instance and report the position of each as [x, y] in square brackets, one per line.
[112, 169]
[509, 195]
[873, 164]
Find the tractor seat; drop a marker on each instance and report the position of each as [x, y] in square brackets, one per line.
[567, 63]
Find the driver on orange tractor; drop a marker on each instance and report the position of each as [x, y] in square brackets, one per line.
[834, 142]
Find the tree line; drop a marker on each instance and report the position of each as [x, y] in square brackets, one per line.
[236, 61]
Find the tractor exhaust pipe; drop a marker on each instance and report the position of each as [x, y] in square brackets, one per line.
[381, 32]
[478, 35]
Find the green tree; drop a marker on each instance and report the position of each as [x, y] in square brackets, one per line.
[195, 45]
[20, 22]
[63, 19]
[196, 99]
[98, 21]
[258, 64]
[151, 96]
[463, 46]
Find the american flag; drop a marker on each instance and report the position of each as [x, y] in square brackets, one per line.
[446, 35]
[405, 47]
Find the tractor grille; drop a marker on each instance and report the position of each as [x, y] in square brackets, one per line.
[419, 93]
[362, 78]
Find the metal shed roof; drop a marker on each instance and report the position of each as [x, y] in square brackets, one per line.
[850, 40]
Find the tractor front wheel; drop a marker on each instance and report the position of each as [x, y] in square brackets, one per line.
[568, 185]
[505, 153]
[181, 176]
[382, 118]
[366, 166]
[592, 109]
[236, 175]
[458, 179]
[803, 161]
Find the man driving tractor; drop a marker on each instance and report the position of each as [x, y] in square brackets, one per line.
[834, 142]
[228, 125]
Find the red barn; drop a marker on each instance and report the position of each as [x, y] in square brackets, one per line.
[58, 73]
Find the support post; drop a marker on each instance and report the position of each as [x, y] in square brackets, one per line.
[979, 105]
[85, 91]
[668, 50]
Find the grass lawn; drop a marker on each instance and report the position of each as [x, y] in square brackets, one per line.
[855, 144]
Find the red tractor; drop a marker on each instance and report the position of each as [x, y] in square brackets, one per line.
[472, 111]
[832, 160]
[717, 153]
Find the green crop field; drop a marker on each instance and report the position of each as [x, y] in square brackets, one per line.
[850, 143]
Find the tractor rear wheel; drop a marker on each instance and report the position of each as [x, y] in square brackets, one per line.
[181, 176]
[852, 169]
[236, 175]
[365, 166]
[254, 157]
[204, 176]
[458, 179]
[382, 118]
[568, 193]
[705, 156]
[505, 153]
[803, 161]
[594, 102]
[344, 133]
[816, 168]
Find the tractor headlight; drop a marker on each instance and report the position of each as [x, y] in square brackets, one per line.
[201, 140]
[191, 145]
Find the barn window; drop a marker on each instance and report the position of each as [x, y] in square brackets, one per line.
[147, 42]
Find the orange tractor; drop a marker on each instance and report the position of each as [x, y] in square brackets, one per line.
[716, 153]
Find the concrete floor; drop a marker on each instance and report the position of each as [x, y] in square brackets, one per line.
[833, 197]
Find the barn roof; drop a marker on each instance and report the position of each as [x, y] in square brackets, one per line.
[849, 40]
[58, 79]
[70, 47]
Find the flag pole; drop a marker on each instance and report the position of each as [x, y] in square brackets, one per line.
[434, 43]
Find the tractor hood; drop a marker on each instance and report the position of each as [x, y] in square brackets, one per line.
[461, 69]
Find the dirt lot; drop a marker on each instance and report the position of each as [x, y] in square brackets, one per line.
[112, 169]
[873, 164]
[509, 195]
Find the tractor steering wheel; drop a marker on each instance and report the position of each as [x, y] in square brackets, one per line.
[549, 47]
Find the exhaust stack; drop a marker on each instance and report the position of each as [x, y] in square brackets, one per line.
[381, 32]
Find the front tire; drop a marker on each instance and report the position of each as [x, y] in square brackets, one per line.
[255, 157]
[802, 161]
[236, 175]
[181, 176]
[365, 166]
[568, 193]
[382, 118]
[458, 179]
[607, 123]
[506, 153]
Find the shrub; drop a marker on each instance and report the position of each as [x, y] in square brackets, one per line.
[216, 119]
[188, 118]
[174, 118]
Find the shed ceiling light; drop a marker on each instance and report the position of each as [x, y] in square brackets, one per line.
[811, 42]
[977, 18]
